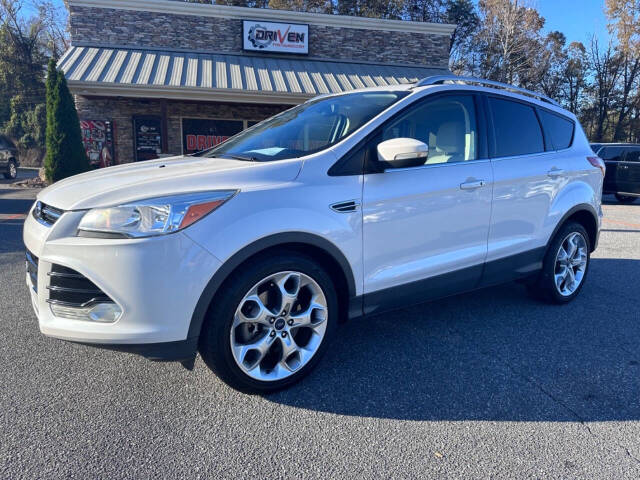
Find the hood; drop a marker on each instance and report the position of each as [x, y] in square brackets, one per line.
[135, 181]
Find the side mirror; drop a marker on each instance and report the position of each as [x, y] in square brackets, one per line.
[402, 153]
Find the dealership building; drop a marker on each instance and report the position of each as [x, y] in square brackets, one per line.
[165, 77]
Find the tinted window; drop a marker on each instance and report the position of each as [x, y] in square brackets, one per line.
[559, 130]
[313, 126]
[612, 153]
[516, 127]
[632, 155]
[447, 125]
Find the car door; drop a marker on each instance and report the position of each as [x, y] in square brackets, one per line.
[611, 154]
[527, 178]
[628, 178]
[425, 227]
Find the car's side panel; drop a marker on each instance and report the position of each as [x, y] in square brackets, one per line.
[301, 206]
[419, 223]
[628, 171]
[522, 195]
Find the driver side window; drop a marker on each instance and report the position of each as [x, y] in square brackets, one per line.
[447, 125]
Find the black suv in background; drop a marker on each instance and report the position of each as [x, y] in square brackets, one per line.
[623, 169]
[8, 158]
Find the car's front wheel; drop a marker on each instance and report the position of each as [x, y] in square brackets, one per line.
[625, 198]
[270, 323]
[565, 265]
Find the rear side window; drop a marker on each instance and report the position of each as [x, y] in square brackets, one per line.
[612, 153]
[559, 130]
[633, 155]
[516, 128]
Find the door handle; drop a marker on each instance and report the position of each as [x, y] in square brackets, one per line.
[555, 172]
[472, 185]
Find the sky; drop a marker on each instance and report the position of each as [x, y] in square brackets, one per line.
[577, 19]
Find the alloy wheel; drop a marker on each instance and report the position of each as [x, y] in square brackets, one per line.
[571, 264]
[278, 326]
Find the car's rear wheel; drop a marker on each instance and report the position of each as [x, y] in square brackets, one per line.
[625, 198]
[270, 323]
[565, 265]
[12, 170]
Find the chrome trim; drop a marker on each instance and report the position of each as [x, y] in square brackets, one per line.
[65, 275]
[433, 165]
[56, 288]
[93, 301]
[40, 209]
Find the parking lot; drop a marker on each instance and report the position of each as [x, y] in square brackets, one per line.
[487, 384]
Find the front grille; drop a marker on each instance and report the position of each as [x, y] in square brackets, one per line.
[70, 288]
[32, 269]
[46, 213]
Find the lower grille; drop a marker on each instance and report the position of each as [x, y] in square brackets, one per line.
[32, 269]
[70, 288]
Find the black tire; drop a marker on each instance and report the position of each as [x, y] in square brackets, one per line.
[544, 287]
[625, 198]
[215, 346]
[11, 173]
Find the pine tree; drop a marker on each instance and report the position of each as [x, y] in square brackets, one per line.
[65, 153]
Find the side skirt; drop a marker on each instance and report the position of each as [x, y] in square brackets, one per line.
[496, 272]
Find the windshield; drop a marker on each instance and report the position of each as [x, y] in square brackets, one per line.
[307, 128]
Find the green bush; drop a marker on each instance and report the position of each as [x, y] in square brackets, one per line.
[65, 154]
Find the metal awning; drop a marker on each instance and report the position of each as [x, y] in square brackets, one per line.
[222, 77]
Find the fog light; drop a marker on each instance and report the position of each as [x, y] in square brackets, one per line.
[105, 312]
[101, 312]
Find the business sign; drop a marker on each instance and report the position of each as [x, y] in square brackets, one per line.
[275, 37]
[97, 138]
[199, 134]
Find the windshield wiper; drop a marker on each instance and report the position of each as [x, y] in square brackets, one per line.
[234, 156]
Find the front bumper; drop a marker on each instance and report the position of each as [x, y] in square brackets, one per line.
[156, 282]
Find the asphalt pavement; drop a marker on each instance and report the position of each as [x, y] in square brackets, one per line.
[487, 384]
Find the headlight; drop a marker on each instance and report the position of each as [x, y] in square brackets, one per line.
[154, 216]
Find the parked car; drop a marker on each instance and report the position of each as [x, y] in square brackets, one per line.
[623, 169]
[8, 158]
[347, 205]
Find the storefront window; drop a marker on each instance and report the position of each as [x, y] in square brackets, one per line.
[201, 134]
[97, 138]
[307, 128]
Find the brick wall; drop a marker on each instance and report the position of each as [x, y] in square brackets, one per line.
[91, 25]
[121, 111]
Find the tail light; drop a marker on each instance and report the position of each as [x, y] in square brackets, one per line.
[598, 163]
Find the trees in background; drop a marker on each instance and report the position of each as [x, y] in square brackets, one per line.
[30, 33]
[65, 155]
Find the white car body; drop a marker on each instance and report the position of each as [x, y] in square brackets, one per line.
[408, 229]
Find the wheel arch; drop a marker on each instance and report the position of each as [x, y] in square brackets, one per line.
[322, 250]
[585, 215]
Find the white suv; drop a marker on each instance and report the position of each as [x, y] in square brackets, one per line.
[347, 205]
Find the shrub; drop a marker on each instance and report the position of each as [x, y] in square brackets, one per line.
[65, 155]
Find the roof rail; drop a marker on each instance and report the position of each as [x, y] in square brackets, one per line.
[441, 79]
